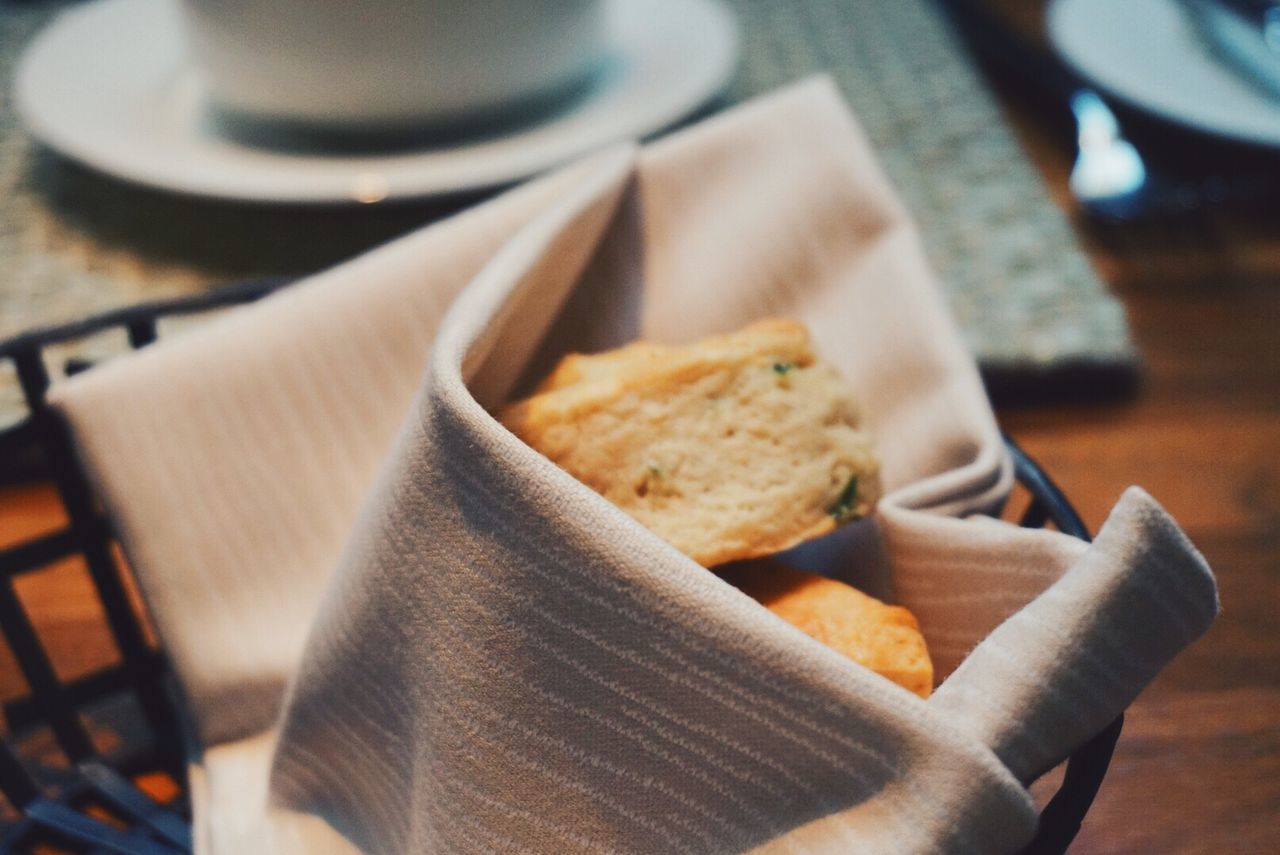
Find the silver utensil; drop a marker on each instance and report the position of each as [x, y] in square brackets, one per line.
[1110, 179]
[1108, 170]
[1260, 14]
[1243, 35]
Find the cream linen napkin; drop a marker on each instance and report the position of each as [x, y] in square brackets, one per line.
[401, 630]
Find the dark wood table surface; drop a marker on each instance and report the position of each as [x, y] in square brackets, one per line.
[1197, 769]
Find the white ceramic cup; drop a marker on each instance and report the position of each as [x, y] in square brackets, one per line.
[388, 64]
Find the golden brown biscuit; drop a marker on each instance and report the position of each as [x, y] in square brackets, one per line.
[736, 446]
[882, 637]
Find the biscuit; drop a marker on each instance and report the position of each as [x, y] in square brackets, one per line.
[736, 446]
[882, 637]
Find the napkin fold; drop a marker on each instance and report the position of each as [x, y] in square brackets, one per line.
[400, 629]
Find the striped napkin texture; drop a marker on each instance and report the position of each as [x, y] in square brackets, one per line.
[399, 629]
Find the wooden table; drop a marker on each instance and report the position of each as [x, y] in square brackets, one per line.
[1198, 767]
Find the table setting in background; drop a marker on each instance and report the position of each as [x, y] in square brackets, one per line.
[379, 616]
[1025, 296]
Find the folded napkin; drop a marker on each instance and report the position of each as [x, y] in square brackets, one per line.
[399, 629]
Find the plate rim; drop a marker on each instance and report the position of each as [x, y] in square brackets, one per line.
[708, 79]
[1158, 111]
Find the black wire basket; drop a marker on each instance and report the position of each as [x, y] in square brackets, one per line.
[67, 788]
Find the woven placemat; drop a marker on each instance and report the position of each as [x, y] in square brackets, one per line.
[73, 242]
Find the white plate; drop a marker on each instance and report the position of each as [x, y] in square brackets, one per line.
[108, 84]
[1148, 53]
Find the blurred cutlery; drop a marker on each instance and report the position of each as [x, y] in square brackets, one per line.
[1108, 170]
[1244, 35]
[1110, 179]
